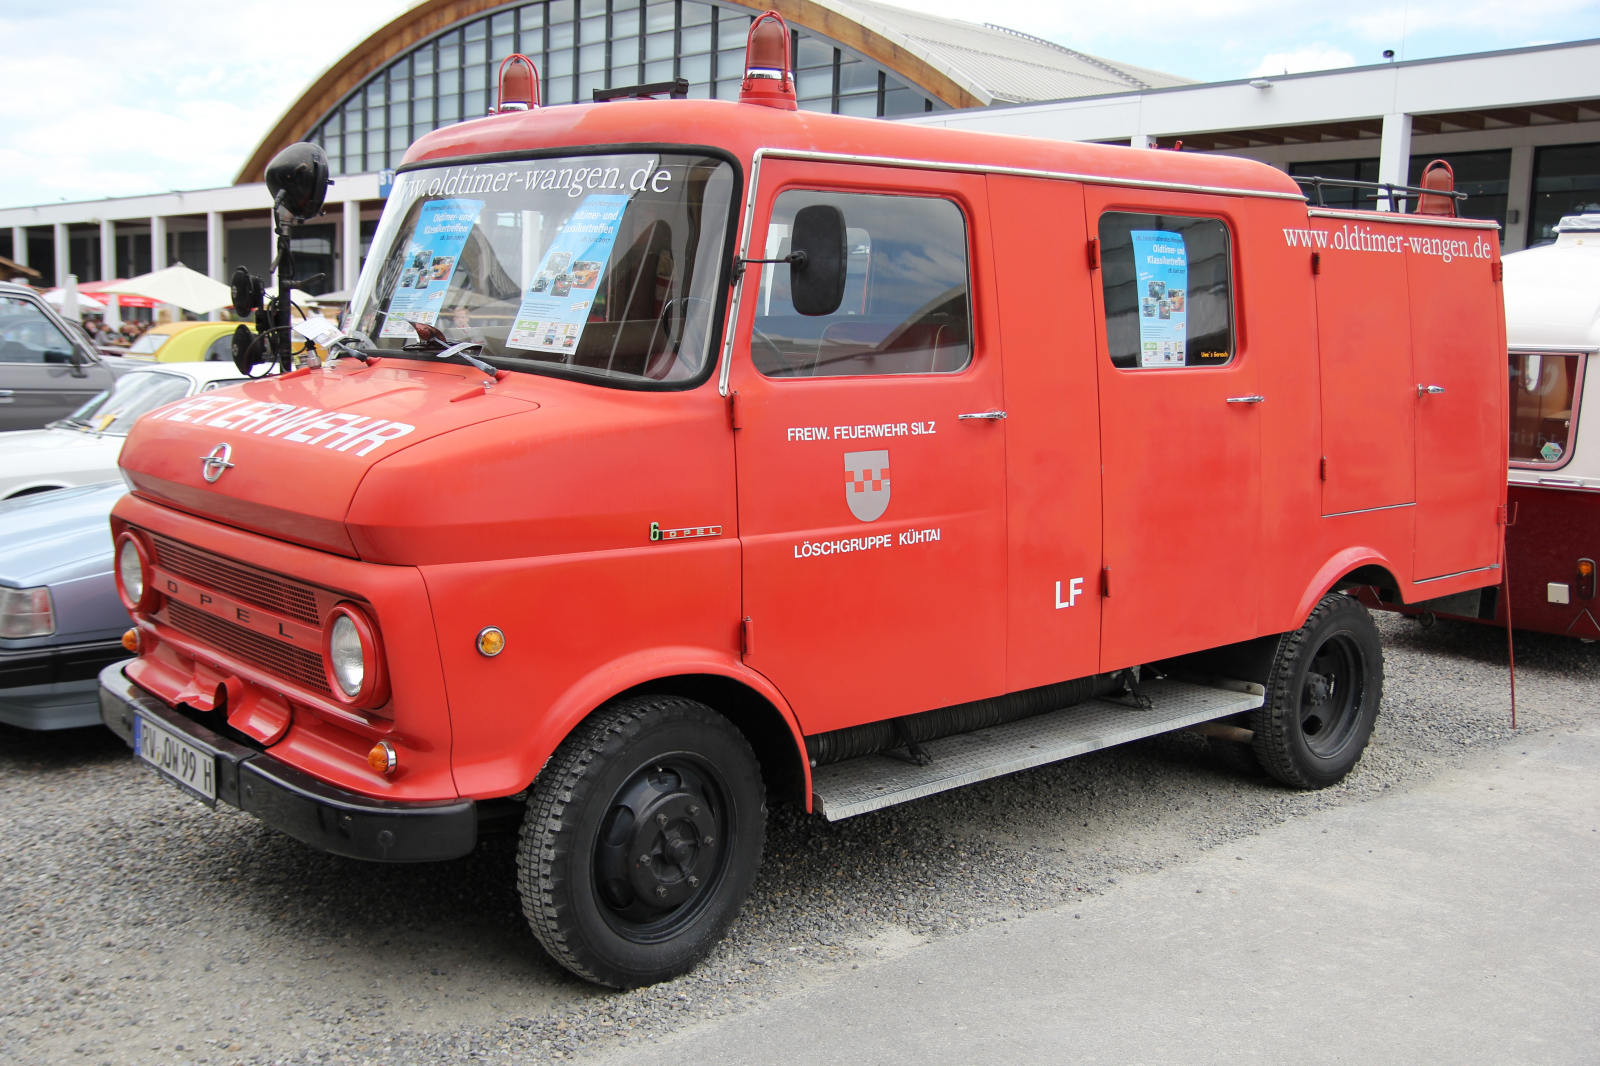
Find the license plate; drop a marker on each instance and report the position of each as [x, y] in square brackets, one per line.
[192, 768]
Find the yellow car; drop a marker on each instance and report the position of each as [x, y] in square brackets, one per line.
[188, 342]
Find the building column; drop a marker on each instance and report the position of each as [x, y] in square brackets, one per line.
[63, 254]
[19, 245]
[1519, 200]
[351, 244]
[214, 260]
[158, 243]
[1394, 157]
[108, 249]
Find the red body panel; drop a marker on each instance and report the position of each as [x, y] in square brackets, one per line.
[528, 506]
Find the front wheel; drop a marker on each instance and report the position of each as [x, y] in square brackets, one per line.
[642, 838]
[1322, 696]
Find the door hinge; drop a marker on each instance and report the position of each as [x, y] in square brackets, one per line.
[1323, 471]
[733, 411]
[747, 637]
[1502, 515]
[1497, 270]
[1105, 581]
[1094, 253]
[1316, 262]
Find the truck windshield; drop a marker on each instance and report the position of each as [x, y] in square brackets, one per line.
[603, 267]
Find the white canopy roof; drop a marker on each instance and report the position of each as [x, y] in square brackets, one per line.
[188, 289]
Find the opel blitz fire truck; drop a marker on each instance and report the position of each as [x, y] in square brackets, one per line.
[683, 455]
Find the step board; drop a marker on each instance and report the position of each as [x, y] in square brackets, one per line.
[843, 790]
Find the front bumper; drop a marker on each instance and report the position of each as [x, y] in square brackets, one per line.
[294, 802]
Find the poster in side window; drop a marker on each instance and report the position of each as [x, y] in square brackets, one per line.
[1161, 264]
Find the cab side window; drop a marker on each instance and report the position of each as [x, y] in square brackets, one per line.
[906, 307]
[1168, 288]
[26, 336]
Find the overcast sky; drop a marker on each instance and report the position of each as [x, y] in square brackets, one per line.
[121, 97]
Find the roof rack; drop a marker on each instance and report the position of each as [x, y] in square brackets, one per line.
[1385, 190]
[677, 88]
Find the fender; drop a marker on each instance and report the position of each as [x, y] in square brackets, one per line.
[1331, 571]
[516, 769]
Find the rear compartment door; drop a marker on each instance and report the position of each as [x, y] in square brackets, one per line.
[872, 516]
[1180, 427]
[1369, 389]
[1459, 349]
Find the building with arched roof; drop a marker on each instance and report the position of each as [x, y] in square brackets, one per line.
[435, 65]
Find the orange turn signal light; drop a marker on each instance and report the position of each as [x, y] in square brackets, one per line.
[491, 641]
[130, 640]
[382, 757]
[1585, 568]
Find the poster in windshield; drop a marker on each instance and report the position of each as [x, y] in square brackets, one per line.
[557, 304]
[442, 231]
[1162, 263]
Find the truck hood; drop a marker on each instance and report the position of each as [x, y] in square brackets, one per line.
[300, 444]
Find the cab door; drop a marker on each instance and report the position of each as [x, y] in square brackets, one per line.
[871, 512]
[1180, 429]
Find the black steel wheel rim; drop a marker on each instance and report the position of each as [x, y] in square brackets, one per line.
[1331, 695]
[661, 851]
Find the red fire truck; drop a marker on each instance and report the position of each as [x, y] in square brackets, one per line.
[683, 455]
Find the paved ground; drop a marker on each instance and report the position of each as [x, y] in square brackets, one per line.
[1454, 922]
[137, 926]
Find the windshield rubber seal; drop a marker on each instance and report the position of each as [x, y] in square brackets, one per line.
[724, 268]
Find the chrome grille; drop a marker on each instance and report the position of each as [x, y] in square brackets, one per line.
[295, 664]
[248, 584]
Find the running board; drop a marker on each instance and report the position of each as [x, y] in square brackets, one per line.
[856, 786]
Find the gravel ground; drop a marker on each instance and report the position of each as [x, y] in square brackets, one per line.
[136, 926]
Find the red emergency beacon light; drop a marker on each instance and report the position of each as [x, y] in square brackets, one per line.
[689, 456]
[768, 75]
[518, 84]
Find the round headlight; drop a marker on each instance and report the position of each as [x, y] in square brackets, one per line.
[131, 567]
[346, 655]
[134, 583]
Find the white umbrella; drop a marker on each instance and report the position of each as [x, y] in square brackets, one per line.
[81, 301]
[188, 289]
[300, 299]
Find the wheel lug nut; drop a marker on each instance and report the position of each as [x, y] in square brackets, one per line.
[693, 809]
[693, 880]
[661, 890]
[708, 841]
[644, 860]
[661, 820]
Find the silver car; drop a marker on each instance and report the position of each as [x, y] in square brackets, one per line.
[61, 620]
[47, 367]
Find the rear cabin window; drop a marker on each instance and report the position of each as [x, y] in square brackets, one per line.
[1168, 291]
[906, 308]
[1544, 390]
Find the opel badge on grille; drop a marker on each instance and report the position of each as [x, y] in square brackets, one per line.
[212, 465]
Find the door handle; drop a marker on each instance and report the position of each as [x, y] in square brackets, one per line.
[1429, 390]
[6, 395]
[1246, 399]
[993, 416]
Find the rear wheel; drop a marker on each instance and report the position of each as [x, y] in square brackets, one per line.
[643, 836]
[1322, 696]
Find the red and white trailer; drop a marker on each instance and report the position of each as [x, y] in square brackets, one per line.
[689, 453]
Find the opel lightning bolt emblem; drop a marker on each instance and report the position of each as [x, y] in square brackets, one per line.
[212, 465]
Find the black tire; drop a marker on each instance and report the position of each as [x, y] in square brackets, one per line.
[1322, 696]
[656, 776]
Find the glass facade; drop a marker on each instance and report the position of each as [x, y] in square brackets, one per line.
[580, 46]
[1566, 181]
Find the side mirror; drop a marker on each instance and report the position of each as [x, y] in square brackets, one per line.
[818, 259]
[297, 178]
